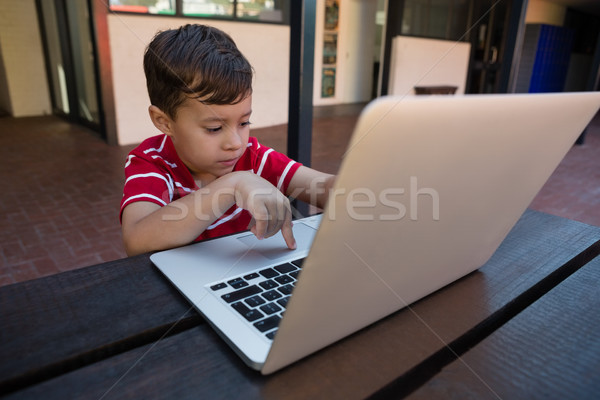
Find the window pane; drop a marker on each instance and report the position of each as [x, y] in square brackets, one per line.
[458, 25]
[414, 19]
[83, 61]
[260, 10]
[208, 8]
[144, 6]
[56, 58]
[438, 18]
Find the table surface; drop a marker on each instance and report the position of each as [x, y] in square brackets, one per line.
[522, 326]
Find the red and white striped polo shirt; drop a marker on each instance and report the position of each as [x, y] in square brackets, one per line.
[155, 173]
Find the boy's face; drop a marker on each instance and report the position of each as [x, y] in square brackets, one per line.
[210, 139]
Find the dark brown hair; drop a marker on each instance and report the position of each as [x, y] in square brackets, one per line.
[195, 61]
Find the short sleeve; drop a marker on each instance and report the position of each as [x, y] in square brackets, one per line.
[146, 181]
[271, 165]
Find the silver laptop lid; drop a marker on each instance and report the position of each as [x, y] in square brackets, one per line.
[428, 189]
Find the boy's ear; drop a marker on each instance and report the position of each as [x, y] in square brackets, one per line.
[161, 120]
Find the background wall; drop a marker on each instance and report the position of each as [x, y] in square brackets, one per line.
[23, 83]
[356, 48]
[427, 62]
[358, 32]
[266, 47]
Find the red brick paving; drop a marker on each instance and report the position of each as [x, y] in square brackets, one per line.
[62, 187]
[573, 190]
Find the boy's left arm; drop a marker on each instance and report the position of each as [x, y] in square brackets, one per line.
[311, 186]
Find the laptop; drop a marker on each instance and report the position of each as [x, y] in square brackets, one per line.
[426, 192]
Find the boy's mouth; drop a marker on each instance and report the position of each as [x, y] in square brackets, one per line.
[230, 162]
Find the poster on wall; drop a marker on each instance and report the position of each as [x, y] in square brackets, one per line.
[330, 38]
[328, 82]
[332, 12]
[329, 48]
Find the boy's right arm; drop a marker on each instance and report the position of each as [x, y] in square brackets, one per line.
[149, 227]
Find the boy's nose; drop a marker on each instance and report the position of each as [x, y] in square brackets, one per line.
[233, 140]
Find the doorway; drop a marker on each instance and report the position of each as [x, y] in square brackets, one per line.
[488, 45]
[70, 51]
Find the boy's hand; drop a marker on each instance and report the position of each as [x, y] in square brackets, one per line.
[270, 209]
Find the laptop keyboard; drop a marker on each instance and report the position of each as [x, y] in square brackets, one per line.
[261, 297]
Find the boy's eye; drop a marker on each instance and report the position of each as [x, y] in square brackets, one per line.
[247, 123]
[213, 130]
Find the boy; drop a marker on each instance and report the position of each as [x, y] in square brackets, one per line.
[204, 176]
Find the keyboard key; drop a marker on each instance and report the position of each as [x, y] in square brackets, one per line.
[237, 283]
[270, 308]
[298, 263]
[283, 279]
[255, 301]
[285, 268]
[251, 276]
[241, 294]
[268, 323]
[283, 302]
[269, 273]
[248, 313]
[270, 284]
[286, 290]
[294, 274]
[219, 286]
[271, 295]
[271, 334]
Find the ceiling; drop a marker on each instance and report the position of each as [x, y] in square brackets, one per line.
[587, 6]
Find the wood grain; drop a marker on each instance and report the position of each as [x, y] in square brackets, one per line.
[550, 350]
[402, 351]
[55, 324]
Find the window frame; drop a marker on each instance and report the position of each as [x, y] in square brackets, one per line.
[234, 18]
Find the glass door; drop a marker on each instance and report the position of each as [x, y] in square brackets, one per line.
[57, 75]
[70, 54]
[488, 40]
[82, 50]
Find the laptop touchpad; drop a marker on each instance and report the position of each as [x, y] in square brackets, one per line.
[275, 247]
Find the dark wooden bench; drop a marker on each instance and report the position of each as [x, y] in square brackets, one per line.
[120, 330]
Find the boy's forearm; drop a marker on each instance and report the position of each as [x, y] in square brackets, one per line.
[329, 183]
[319, 192]
[182, 221]
[311, 186]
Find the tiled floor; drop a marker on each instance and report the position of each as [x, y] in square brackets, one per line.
[62, 187]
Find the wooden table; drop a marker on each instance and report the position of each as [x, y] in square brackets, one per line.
[525, 325]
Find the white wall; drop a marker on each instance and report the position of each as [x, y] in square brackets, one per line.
[25, 90]
[266, 47]
[358, 40]
[355, 52]
[427, 62]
